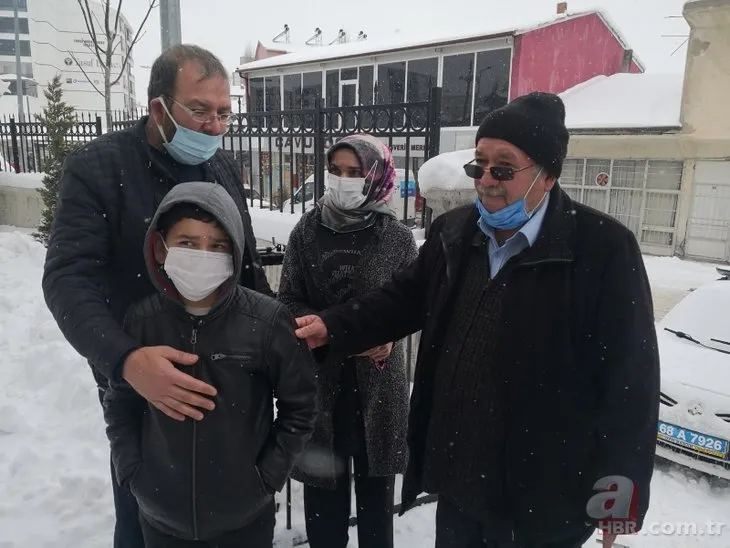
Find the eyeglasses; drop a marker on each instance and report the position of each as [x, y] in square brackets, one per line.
[204, 117]
[498, 173]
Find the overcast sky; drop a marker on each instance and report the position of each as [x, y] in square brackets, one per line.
[227, 26]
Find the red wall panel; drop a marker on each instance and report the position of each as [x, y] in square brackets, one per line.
[559, 56]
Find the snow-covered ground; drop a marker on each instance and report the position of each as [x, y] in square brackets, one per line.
[54, 462]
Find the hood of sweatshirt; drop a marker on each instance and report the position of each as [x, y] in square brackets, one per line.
[212, 198]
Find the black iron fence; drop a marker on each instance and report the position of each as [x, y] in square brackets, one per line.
[24, 145]
[280, 153]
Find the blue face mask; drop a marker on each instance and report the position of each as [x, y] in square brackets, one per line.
[188, 146]
[512, 216]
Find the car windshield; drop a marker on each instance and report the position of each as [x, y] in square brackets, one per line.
[703, 316]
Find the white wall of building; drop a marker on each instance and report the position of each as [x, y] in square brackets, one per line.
[55, 30]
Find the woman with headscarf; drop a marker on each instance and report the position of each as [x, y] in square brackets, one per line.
[349, 244]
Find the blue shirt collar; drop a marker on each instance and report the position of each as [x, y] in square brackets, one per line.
[529, 231]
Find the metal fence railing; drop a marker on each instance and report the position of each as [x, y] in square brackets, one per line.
[281, 154]
[24, 145]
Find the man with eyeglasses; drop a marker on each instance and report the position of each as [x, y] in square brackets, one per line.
[538, 370]
[109, 192]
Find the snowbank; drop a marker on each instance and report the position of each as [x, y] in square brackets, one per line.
[675, 274]
[443, 182]
[53, 451]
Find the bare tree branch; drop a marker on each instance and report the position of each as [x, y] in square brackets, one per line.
[116, 20]
[107, 31]
[137, 37]
[88, 21]
[73, 56]
[114, 49]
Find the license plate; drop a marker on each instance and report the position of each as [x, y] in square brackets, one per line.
[702, 443]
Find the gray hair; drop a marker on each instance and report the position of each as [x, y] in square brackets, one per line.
[163, 77]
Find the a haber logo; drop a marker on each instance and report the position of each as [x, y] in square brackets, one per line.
[615, 506]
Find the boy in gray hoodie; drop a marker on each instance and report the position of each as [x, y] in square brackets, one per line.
[211, 480]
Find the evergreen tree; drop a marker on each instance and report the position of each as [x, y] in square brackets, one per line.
[58, 119]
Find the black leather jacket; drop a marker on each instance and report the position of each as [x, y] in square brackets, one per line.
[197, 480]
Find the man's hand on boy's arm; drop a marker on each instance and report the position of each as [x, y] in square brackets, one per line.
[150, 371]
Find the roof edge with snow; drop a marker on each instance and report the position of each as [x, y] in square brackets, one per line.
[335, 52]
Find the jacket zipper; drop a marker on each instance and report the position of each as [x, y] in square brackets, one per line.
[194, 341]
[218, 357]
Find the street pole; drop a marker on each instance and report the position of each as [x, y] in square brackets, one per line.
[170, 27]
[18, 71]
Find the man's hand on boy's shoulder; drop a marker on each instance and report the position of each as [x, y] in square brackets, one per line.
[150, 371]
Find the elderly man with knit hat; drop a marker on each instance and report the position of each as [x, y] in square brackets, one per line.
[537, 382]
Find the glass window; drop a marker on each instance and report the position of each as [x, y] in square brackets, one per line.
[366, 85]
[272, 86]
[628, 174]
[391, 87]
[7, 24]
[7, 47]
[492, 82]
[664, 175]
[292, 92]
[348, 74]
[8, 5]
[572, 174]
[311, 89]
[29, 88]
[422, 76]
[457, 88]
[333, 88]
[256, 95]
[26, 68]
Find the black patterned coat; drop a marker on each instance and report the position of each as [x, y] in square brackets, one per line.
[384, 393]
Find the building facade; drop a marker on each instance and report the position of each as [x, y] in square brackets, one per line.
[477, 73]
[651, 150]
[51, 34]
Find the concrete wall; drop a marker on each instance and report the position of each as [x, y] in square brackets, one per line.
[704, 114]
[20, 205]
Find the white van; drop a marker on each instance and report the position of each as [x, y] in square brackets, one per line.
[415, 202]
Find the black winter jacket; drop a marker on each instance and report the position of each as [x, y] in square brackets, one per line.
[581, 363]
[198, 480]
[95, 268]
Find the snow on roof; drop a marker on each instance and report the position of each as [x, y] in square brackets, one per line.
[625, 101]
[284, 46]
[399, 42]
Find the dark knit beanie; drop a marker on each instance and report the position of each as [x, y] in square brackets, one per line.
[535, 123]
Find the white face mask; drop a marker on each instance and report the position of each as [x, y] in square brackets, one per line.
[348, 193]
[195, 273]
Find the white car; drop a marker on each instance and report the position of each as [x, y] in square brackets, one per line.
[694, 413]
[257, 201]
